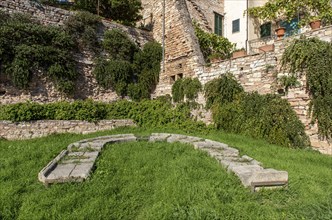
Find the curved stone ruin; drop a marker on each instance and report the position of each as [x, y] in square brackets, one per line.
[76, 163]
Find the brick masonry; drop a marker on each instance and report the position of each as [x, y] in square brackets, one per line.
[35, 129]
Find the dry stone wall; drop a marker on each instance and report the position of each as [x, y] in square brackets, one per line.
[35, 129]
[41, 89]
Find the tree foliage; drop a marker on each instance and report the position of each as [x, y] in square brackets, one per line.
[118, 45]
[309, 10]
[124, 11]
[83, 27]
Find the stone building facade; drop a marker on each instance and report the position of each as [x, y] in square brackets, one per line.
[182, 53]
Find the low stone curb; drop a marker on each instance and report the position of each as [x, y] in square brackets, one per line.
[76, 163]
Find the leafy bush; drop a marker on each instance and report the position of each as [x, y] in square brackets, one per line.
[222, 90]
[212, 45]
[119, 46]
[114, 74]
[312, 57]
[147, 113]
[262, 116]
[27, 47]
[186, 88]
[138, 75]
[83, 27]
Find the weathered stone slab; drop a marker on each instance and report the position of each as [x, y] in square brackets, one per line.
[76, 163]
[158, 137]
[215, 144]
[269, 178]
[202, 144]
[81, 171]
[60, 173]
[245, 173]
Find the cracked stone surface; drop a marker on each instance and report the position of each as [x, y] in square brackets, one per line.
[76, 163]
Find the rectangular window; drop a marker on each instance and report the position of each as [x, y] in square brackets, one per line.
[236, 26]
[266, 30]
[218, 24]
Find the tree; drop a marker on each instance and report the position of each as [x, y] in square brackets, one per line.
[308, 10]
[124, 11]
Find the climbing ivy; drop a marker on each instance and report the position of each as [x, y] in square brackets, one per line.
[222, 90]
[212, 45]
[312, 57]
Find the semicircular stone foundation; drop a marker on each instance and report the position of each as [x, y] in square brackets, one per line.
[76, 163]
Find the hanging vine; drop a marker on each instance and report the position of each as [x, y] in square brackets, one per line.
[312, 57]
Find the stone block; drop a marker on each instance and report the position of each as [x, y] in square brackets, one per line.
[269, 178]
[60, 173]
[158, 137]
[81, 171]
[245, 173]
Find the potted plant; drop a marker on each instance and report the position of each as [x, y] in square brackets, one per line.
[239, 53]
[313, 12]
[270, 11]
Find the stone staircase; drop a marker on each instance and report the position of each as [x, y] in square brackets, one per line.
[76, 163]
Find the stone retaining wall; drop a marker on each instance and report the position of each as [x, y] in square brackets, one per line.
[34, 129]
[258, 72]
[43, 90]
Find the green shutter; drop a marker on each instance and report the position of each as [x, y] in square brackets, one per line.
[218, 24]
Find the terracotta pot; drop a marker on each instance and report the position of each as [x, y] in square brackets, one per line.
[315, 24]
[280, 32]
[240, 53]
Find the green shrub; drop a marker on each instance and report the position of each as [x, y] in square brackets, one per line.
[147, 113]
[83, 27]
[178, 91]
[126, 12]
[147, 69]
[262, 116]
[27, 47]
[222, 90]
[138, 71]
[115, 74]
[119, 46]
[186, 88]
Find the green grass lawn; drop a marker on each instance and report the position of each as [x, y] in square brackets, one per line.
[142, 180]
